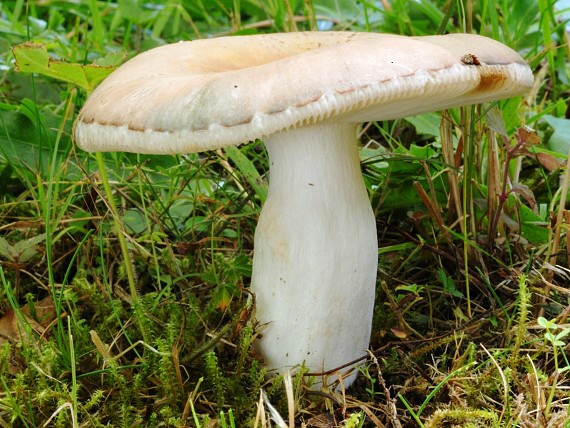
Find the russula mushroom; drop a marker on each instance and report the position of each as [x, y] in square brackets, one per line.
[304, 94]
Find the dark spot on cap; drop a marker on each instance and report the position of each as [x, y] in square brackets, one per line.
[470, 59]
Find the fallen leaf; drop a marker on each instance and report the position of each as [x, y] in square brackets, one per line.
[17, 327]
[44, 310]
[324, 420]
[400, 334]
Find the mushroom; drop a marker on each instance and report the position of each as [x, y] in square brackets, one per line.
[304, 94]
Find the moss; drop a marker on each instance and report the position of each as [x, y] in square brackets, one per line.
[463, 418]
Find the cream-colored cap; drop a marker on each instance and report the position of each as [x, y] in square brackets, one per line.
[206, 94]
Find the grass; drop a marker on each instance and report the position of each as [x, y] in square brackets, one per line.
[124, 278]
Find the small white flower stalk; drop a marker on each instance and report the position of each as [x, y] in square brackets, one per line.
[263, 417]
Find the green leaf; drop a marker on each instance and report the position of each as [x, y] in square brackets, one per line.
[34, 58]
[534, 228]
[135, 221]
[553, 340]
[27, 139]
[5, 249]
[247, 168]
[422, 152]
[426, 124]
[563, 334]
[449, 284]
[131, 10]
[413, 288]
[560, 139]
[27, 249]
[543, 322]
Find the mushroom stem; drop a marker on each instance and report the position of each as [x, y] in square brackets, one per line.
[316, 251]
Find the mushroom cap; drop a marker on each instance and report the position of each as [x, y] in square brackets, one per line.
[206, 94]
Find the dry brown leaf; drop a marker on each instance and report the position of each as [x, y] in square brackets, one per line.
[324, 420]
[550, 162]
[16, 328]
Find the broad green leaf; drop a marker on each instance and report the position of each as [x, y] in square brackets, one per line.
[26, 249]
[132, 10]
[135, 221]
[422, 152]
[27, 141]
[34, 58]
[533, 227]
[560, 139]
[426, 124]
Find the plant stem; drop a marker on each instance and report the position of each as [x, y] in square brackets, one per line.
[122, 242]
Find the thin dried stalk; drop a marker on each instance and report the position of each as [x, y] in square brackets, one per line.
[448, 152]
